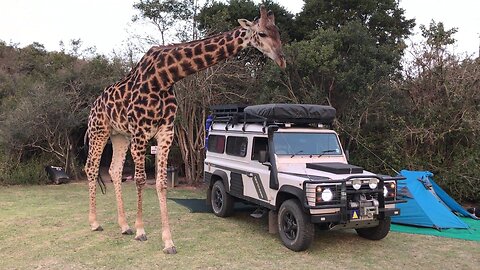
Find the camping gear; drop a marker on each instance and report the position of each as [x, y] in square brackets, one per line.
[472, 234]
[427, 205]
[57, 175]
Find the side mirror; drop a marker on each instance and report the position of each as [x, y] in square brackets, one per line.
[347, 155]
[262, 156]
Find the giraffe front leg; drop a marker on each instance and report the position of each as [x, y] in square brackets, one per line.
[164, 139]
[138, 150]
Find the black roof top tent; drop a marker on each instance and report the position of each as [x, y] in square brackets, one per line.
[274, 114]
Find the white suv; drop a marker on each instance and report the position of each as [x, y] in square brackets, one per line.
[284, 158]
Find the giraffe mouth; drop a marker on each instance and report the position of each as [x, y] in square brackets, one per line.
[281, 62]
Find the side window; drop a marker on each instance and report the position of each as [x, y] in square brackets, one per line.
[259, 144]
[216, 143]
[237, 146]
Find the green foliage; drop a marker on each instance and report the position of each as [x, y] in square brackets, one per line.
[45, 101]
[168, 14]
[383, 18]
[29, 172]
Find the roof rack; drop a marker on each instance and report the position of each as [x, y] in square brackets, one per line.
[278, 114]
[233, 114]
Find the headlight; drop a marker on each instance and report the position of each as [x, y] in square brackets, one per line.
[357, 184]
[327, 195]
[390, 190]
[373, 183]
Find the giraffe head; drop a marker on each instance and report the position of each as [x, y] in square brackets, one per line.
[265, 37]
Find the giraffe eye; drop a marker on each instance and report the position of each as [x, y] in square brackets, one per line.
[262, 34]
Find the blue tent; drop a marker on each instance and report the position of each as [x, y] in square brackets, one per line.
[427, 204]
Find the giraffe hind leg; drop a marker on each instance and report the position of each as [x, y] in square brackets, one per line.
[96, 144]
[164, 138]
[120, 145]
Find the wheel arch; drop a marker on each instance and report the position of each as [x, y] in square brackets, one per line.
[218, 175]
[287, 193]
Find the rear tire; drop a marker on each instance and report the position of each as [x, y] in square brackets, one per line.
[294, 226]
[222, 202]
[376, 233]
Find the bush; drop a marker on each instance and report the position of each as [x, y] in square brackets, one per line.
[31, 172]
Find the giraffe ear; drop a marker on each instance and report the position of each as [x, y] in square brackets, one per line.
[245, 23]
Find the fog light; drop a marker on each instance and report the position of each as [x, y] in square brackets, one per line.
[357, 184]
[327, 195]
[373, 183]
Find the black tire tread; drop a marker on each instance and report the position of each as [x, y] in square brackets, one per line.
[228, 201]
[307, 229]
[376, 233]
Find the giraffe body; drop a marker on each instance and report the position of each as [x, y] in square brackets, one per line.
[142, 106]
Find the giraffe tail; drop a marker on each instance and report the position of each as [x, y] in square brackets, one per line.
[85, 139]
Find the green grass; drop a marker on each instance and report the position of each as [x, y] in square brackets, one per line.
[46, 227]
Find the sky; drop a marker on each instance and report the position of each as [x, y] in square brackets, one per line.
[106, 24]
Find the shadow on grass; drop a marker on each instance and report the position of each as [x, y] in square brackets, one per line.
[200, 206]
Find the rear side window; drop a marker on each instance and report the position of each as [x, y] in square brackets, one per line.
[216, 143]
[237, 146]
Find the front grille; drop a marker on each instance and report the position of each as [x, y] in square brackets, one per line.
[342, 198]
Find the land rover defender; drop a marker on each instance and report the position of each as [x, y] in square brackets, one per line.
[285, 158]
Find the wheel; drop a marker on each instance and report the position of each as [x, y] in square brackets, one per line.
[222, 202]
[295, 229]
[376, 233]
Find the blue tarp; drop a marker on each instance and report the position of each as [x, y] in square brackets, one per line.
[427, 204]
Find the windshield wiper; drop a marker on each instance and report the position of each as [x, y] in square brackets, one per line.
[298, 152]
[327, 151]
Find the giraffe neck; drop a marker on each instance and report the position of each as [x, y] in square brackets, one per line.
[181, 60]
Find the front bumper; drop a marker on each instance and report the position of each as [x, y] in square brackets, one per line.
[342, 212]
[339, 217]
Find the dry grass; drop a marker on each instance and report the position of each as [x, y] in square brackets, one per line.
[45, 227]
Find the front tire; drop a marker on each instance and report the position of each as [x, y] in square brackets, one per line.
[294, 226]
[376, 233]
[222, 202]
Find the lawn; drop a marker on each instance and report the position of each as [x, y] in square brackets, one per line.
[46, 227]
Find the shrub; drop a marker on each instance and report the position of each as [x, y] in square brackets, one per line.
[30, 172]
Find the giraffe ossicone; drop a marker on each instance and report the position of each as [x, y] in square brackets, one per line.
[142, 106]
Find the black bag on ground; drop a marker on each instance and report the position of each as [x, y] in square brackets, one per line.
[57, 175]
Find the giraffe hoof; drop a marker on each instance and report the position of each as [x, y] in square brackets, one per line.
[170, 250]
[141, 237]
[98, 229]
[128, 232]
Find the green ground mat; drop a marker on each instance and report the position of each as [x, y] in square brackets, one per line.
[472, 234]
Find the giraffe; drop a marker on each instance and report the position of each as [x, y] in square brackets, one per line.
[142, 106]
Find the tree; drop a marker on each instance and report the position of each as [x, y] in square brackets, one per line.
[45, 102]
[439, 130]
[346, 54]
[169, 17]
[384, 19]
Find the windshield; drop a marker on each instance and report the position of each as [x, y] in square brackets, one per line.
[292, 143]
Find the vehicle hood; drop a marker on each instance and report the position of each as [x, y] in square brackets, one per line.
[301, 170]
